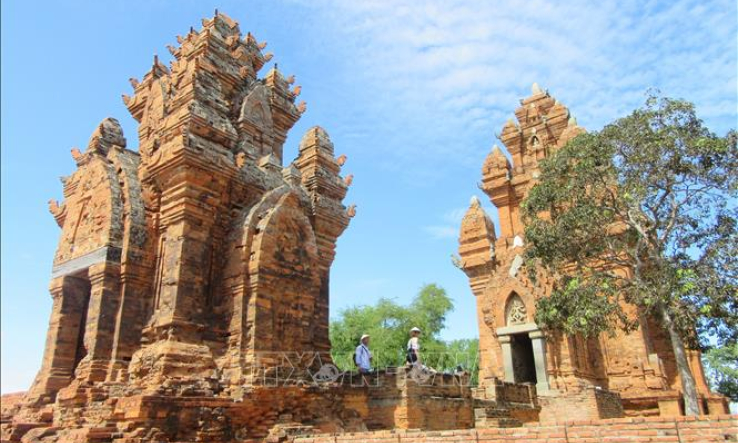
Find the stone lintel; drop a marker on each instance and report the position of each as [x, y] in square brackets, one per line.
[101, 255]
[516, 329]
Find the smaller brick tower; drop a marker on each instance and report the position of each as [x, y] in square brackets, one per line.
[638, 366]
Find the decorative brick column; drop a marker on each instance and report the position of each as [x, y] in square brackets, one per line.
[173, 345]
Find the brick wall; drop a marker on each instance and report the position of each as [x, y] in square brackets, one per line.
[588, 404]
[387, 400]
[713, 429]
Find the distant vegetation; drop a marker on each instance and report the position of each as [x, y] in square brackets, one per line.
[721, 364]
[389, 323]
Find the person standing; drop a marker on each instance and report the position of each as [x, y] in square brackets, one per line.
[363, 356]
[413, 347]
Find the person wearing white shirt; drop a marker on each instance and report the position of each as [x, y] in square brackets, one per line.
[363, 356]
[413, 347]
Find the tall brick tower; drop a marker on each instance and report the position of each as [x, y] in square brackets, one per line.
[189, 263]
[191, 281]
[638, 366]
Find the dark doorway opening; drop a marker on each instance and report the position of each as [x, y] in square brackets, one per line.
[524, 364]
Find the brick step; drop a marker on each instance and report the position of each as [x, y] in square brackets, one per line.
[507, 422]
[491, 412]
[485, 403]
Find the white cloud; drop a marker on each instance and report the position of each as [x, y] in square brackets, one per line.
[441, 77]
[449, 226]
[455, 215]
[442, 231]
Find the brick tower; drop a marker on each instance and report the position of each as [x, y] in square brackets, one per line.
[638, 366]
[194, 263]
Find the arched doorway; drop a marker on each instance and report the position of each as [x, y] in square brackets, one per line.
[523, 345]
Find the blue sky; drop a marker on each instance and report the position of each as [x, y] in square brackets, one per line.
[412, 92]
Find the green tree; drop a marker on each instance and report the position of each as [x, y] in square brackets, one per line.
[642, 213]
[722, 369]
[389, 323]
[386, 323]
[465, 353]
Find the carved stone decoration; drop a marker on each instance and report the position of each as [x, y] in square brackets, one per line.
[516, 314]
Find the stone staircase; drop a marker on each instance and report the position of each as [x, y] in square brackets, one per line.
[491, 412]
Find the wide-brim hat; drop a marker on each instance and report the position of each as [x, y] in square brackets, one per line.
[415, 330]
[364, 336]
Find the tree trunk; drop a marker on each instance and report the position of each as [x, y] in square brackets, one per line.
[691, 405]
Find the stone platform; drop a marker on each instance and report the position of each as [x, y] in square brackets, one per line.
[396, 398]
